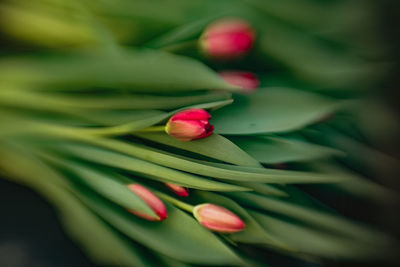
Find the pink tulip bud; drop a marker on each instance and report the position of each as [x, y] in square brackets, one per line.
[151, 200]
[228, 39]
[218, 218]
[179, 190]
[245, 80]
[190, 124]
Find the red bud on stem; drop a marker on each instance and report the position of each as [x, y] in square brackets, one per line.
[151, 200]
[217, 218]
[190, 124]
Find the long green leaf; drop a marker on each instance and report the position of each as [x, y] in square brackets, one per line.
[150, 170]
[272, 150]
[103, 183]
[253, 233]
[313, 217]
[222, 171]
[313, 242]
[215, 146]
[179, 236]
[138, 71]
[97, 239]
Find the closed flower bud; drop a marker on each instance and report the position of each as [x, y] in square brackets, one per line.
[151, 200]
[228, 39]
[217, 218]
[179, 190]
[190, 124]
[243, 79]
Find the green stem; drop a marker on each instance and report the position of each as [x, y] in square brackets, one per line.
[160, 128]
[176, 202]
[177, 47]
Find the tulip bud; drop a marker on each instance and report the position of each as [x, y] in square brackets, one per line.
[228, 39]
[245, 80]
[151, 200]
[190, 124]
[218, 218]
[179, 190]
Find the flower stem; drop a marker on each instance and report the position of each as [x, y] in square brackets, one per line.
[177, 47]
[160, 128]
[176, 202]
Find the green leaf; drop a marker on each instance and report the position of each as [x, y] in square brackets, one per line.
[268, 175]
[271, 110]
[329, 221]
[103, 183]
[98, 240]
[215, 170]
[135, 126]
[312, 60]
[214, 146]
[95, 237]
[179, 236]
[144, 168]
[112, 118]
[133, 70]
[181, 33]
[357, 185]
[272, 150]
[56, 101]
[264, 189]
[316, 243]
[253, 233]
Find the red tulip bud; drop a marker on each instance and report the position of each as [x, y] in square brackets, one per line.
[245, 80]
[228, 39]
[179, 190]
[218, 218]
[190, 124]
[150, 199]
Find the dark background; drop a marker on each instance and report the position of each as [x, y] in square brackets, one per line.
[30, 234]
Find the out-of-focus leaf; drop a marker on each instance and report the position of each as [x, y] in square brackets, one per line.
[326, 67]
[33, 24]
[271, 110]
[214, 146]
[357, 185]
[362, 157]
[131, 70]
[52, 101]
[311, 241]
[112, 118]
[314, 217]
[271, 149]
[97, 239]
[181, 33]
[104, 184]
[377, 121]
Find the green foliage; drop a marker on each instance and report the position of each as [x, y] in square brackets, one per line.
[86, 90]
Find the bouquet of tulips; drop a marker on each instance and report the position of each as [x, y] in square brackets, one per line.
[188, 132]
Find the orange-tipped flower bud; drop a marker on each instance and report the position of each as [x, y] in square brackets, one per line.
[218, 218]
[150, 199]
[190, 124]
[244, 79]
[228, 39]
[179, 190]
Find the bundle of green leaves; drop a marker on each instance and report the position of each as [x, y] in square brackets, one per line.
[87, 88]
